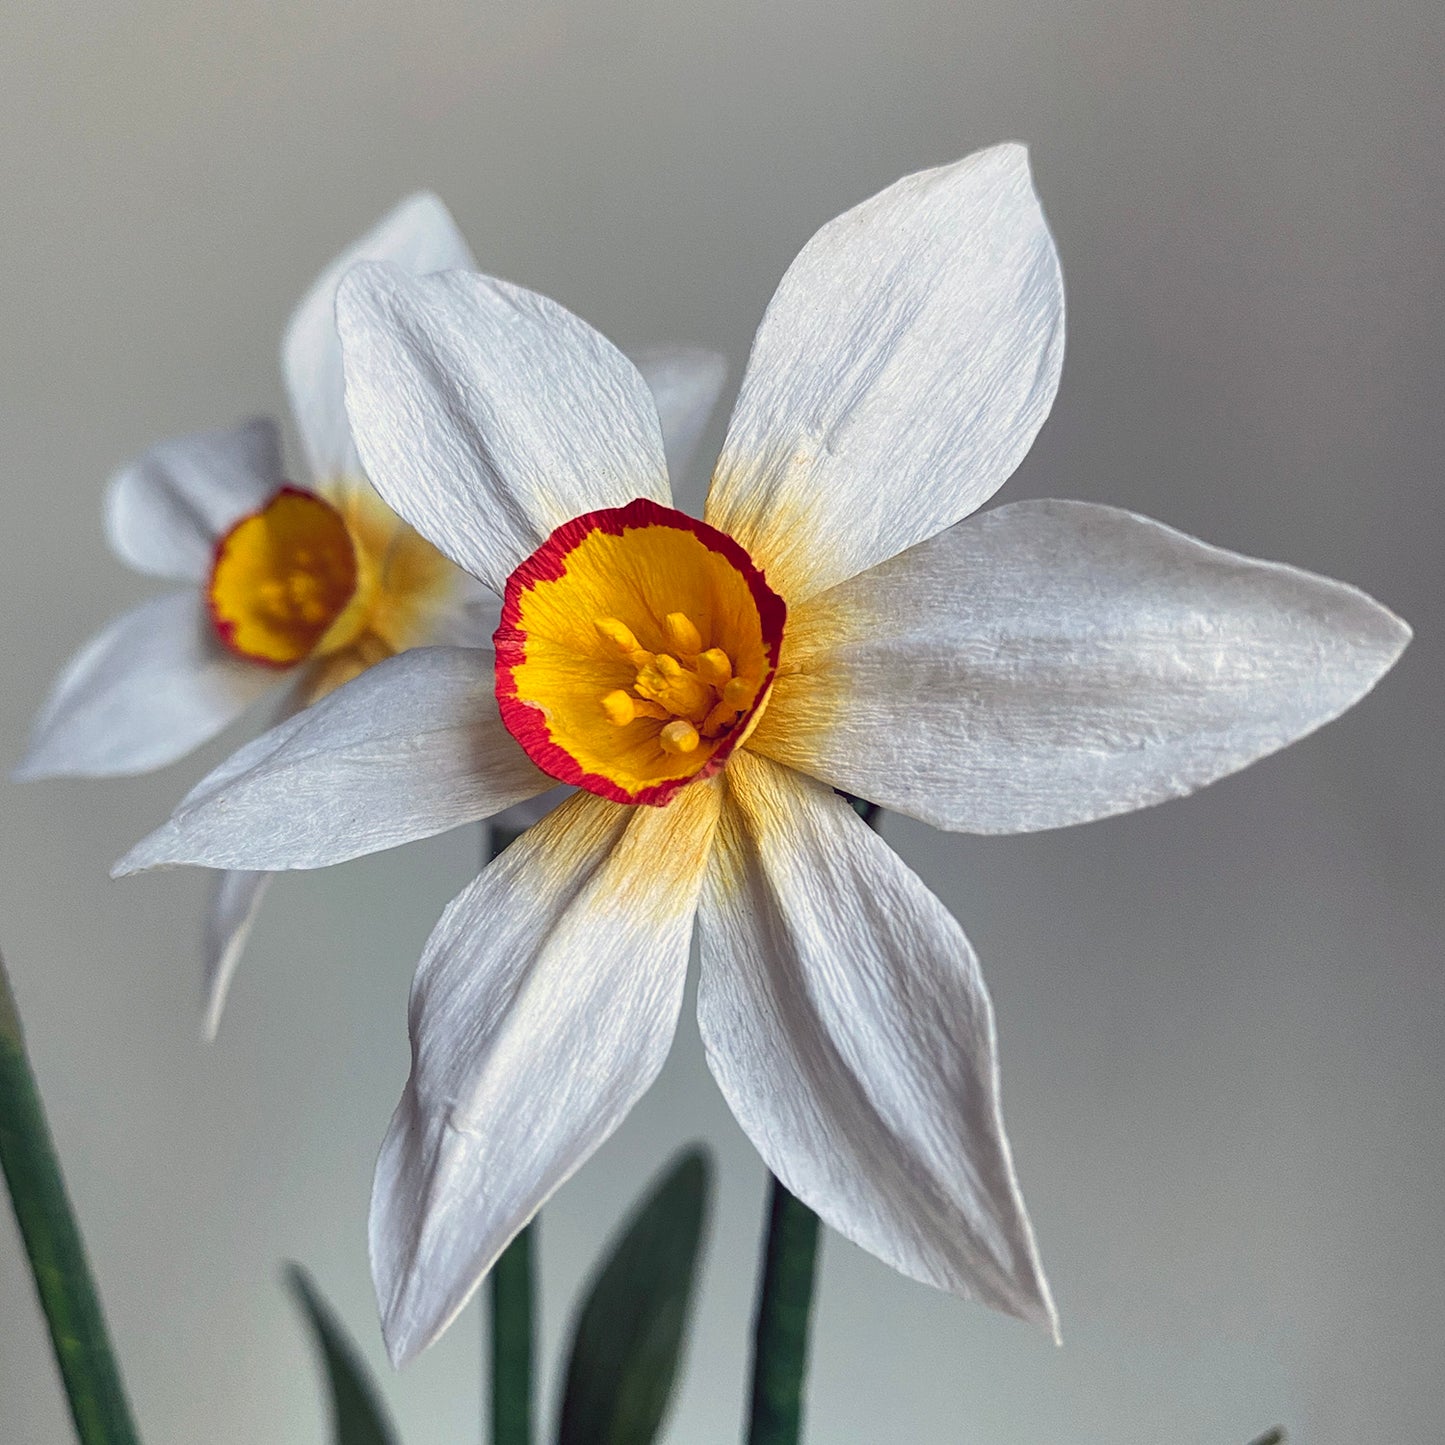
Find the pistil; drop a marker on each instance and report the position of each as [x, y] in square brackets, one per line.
[694, 694]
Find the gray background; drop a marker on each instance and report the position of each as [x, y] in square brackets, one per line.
[1222, 1020]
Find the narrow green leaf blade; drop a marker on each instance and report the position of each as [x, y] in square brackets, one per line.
[54, 1246]
[631, 1329]
[357, 1414]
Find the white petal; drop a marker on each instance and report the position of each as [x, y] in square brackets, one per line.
[164, 512]
[543, 1008]
[412, 747]
[904, 366]
[420, 236]
[141, 693]
[1051, 662]
[847, 1023]
[487, 415]
[235, 899]
[685, 383]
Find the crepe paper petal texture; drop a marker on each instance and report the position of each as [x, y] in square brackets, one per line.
[543, 1008]
[842, 1008]
[165, 510]
[902, 370]
[685, 382]
[487, 415]
[847, 1023]
[143, 692]
[1047, 663]
[235, 900]
[419, 235]
[411, 748]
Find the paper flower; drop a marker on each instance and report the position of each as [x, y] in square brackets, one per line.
[707, 685]
[288, 590]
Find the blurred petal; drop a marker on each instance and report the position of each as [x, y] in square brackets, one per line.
[901, 372]
[685, 383]
[487, 415]
[419, 236]
[847, 1023]
[543, 1008]
[412, 747]
[143, 692]
[1051, 662]
[469, 616]
[164, 512]
[235, 899]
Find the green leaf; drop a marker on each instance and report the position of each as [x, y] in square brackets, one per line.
[54, 1246]
[357, 1414]
[1272, 1437]
[630, 1332]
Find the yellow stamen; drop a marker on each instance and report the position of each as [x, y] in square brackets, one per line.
[683, 634]
[620, 708]
[720, 717]
[704, 699]
[618, 633]
[623, 640]
[679, 736]
[714, 667]
[739, 693]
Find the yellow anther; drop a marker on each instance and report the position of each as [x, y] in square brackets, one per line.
[714, 667]
[683, 633]
[722, 716]
[619, 634]
[679, 736]
[738, 694]
[620, 708]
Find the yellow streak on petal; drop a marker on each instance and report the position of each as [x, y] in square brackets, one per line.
[654, 857]
[807, 696]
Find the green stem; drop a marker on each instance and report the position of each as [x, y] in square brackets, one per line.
[785, 1297]
[54, 1246]
[512, 1290]
[780, 1330]
[513, 1336]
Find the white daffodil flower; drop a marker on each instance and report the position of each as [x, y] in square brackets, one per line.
[833, 623]
[288, 589]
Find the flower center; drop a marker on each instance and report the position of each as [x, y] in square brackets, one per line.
[636, 649]
[282, 579]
